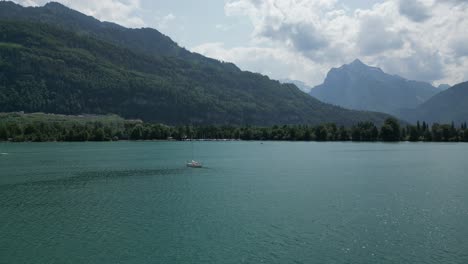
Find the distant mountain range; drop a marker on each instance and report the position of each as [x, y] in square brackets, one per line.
[362, 87]
[54, 59]
[448, 106]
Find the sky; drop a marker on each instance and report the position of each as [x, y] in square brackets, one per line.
[423, 40]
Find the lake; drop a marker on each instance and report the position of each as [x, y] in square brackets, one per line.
[271, 202]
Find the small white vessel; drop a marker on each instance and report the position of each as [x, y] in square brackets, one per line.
[194, 164]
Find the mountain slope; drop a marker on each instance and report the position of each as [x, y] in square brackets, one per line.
[358, 86]
[443, 87]
[445, 107]
[146, 41]
[301, 85]
[45, 68]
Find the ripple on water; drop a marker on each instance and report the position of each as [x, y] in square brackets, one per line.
[87, 176]
[301, 203]
[38, 193]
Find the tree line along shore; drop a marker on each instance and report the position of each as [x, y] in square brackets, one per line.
[39, 127]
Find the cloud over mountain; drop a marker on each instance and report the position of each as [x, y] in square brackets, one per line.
[417, 39]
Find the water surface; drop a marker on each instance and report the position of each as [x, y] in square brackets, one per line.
[272, 202]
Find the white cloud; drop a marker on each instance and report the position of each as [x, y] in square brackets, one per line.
[374, 37]
[268, 61]
[303, 39]
[123, 12]
[163, 22]
[414, 10]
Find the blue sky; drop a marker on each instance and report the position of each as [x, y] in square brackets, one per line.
[302, 39]
[199, 22]
[190, 17]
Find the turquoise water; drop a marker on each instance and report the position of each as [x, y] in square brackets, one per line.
[276, 202]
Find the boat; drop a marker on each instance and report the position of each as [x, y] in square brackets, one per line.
[194, 164]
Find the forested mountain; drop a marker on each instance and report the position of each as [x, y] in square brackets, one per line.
[64, 67]
[448, 106]
[144, 40]
[361, 87]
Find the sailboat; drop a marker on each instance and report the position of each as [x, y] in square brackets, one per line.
[193, 163]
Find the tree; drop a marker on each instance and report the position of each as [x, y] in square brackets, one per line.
[343, 134]
[13, 129]
[465, 135]
[437, 134]
[30, 129]
[98, 134]
[424, 126]
[365, 131]
[247, 133]
[413, 134]
[356, 133]
[321, 133]
[390, 131]
[375, 133]
[3, 133]
[427, 135]
[137, 132]
[265, 134]
[404, 134]
[307, 135]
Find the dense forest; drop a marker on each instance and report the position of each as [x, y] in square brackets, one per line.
[56, 60]
[19, 127]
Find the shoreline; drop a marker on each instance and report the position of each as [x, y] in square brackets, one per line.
[231, 140]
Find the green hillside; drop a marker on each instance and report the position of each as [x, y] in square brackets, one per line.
[67, 70]
[448, 106]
